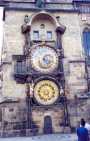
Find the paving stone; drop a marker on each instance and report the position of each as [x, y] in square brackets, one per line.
[53, 137]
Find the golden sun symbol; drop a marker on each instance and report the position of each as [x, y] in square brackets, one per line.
[46, 92]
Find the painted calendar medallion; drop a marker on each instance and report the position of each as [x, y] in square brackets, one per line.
[46, 92]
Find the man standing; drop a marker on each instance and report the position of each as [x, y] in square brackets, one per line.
[82, 132]
[87, 126]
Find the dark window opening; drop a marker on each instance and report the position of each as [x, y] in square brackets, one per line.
[42, 26]
[19, 67]
[86, 43]
[86, 38]
[49, 35]
[36, 35]
[11, 110]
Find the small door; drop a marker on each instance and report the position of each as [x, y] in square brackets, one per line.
[48, 125]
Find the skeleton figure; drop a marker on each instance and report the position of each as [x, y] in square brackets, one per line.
[26, 31]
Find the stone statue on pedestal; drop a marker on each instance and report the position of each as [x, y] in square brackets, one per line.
[26, 31]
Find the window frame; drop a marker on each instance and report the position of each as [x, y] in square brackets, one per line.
[38, 35]
[48, 33]
[86, 45]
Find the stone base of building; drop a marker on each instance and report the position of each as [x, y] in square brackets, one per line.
[16, 120]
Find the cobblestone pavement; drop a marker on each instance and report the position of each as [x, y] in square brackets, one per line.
[57, 137]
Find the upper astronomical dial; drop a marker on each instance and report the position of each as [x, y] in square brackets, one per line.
[44, 59]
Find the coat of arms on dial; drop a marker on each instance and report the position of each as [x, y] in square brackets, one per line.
[46, 92]
[44, 59]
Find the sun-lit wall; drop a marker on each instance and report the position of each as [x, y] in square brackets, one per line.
[1, 30]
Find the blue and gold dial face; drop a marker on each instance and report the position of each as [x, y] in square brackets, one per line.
[44, 59]
[46, 92]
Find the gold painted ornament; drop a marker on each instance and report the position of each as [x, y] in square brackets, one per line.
[46, 92]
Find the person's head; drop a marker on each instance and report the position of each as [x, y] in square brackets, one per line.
[82, 122]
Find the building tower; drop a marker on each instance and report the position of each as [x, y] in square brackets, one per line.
[44, 68]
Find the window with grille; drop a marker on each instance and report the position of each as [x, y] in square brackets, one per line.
[86, 43]
[86, 39]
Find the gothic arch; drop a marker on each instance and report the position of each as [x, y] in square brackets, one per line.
[47, 15]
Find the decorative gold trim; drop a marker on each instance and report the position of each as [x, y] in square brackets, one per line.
[46, 92]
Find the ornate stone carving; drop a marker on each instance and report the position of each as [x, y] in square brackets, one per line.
[29, 87]
[59, 31]
[25, 28]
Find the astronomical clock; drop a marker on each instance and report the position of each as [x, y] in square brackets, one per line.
[44, 61]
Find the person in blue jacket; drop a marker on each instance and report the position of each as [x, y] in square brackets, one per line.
[82, 132]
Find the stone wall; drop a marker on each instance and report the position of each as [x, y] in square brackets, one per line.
[56, 114]
[74, 67]
[14, 42]
[78, 108]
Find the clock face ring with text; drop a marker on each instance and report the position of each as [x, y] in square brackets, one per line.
[44, 59]
[46, 92]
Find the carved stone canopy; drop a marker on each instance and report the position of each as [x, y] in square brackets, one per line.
[55, 20]
[51, 17]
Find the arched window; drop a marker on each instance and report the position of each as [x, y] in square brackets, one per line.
[86, 40]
